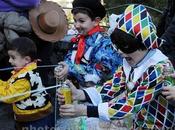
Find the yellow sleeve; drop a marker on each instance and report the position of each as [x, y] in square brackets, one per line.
[18, 87]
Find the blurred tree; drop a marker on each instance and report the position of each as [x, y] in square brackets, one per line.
[158, 4]
[155, 7]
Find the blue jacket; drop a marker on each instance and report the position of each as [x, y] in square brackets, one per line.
[99, 61]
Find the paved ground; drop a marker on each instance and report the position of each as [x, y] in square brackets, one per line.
[6, 117]
[7, 122]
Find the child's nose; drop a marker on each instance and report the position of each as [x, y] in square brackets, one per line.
[10, 60]
[77, 25]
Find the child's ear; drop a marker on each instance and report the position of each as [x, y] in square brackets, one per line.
[97, 20]
[28, 59]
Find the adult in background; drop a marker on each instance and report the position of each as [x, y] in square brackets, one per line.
[49, 25]
[15, 22]
[166, 30]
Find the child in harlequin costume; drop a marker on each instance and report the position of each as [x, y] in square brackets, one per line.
[92, 60]
[140, 78]
[31, 109]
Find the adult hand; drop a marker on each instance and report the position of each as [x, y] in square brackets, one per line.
[73, 110]
[173, 75]
[169, 92]
[77, 94]
[61, 71]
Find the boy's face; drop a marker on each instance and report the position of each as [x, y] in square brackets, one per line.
[134, 57]
[16, 60]
[83, 23]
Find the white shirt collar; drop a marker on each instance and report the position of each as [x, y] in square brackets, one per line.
[153, 57]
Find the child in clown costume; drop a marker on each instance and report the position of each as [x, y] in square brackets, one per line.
[140, 78]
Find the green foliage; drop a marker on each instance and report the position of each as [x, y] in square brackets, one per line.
[155, 7]
[158, 4]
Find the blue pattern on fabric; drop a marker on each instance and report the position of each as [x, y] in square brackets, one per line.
[102, 53]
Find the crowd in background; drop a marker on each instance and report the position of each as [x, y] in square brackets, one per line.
[115, 77]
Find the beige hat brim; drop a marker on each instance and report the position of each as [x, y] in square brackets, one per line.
[43, 8]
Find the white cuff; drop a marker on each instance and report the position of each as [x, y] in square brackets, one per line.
[103, 111]
[92, 77]
[94, 95]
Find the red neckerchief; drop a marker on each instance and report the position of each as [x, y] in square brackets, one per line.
[81, 43]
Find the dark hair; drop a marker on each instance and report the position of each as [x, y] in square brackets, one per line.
[24, 46]
[126, 42]
[84, 11]
[93, 7]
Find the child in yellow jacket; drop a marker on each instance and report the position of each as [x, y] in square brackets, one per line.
[33, 109]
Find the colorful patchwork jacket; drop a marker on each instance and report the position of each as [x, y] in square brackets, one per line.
[30, 106]
[99, 61]
[142, 99]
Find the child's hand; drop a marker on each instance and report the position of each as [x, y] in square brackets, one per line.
[61, 99]
[173, 75]
[169, 92]
[77, 94]
[62, 72]
[73, 110]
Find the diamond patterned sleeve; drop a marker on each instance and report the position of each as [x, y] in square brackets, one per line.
[146, 88]
[112, 88]
[18, 87]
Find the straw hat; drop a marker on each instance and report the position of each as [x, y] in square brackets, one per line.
[48, 21]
